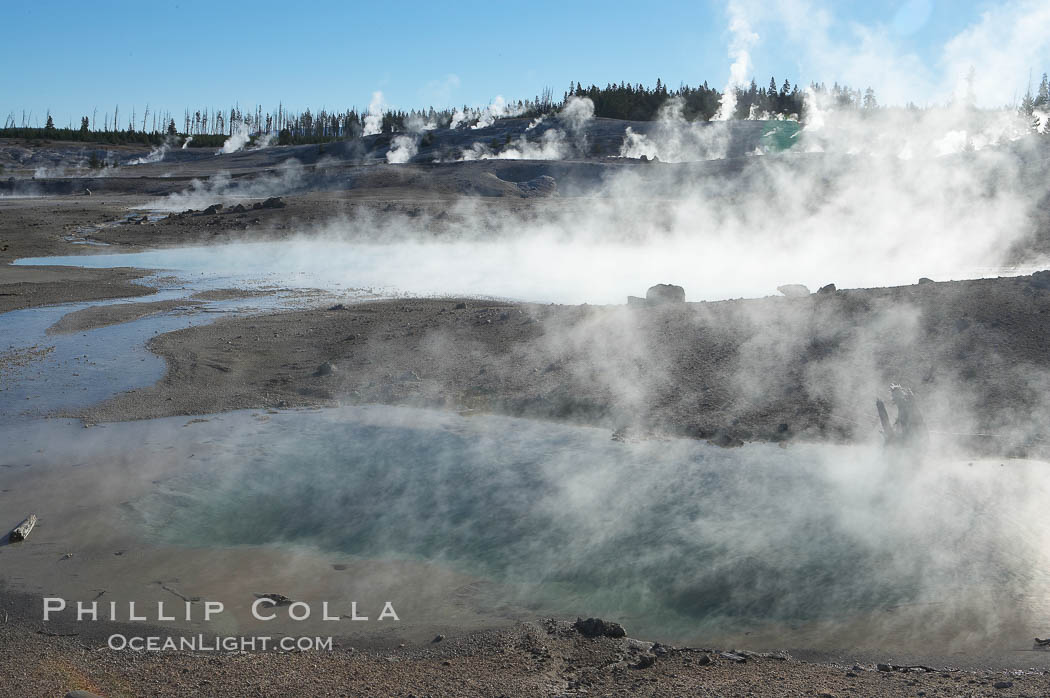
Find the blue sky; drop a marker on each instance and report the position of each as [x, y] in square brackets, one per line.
[71, 57]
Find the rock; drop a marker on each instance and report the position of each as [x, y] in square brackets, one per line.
[635, 300]
[460, 306]
[325, 369]
[830, 288]
[438, 638]
[638, 645]
[733, 657]
[794, 290]
[1004, 684]
[22, 530]
[212, 210]
[644, 662]
[338, 306]
[1041, 279]
[273, 202]
[596, 627]
[664, 293]
[278, 599]
[925, 280]
[239, 208]
[884, 667]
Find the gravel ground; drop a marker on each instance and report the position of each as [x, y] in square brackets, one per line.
[541, 658]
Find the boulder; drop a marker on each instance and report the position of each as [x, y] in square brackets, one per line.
[273, 202]
[596, 627]
[325, 369]
[794, 290]
[830, 288]
[925, 280]
[664, 293]
[1041, 279]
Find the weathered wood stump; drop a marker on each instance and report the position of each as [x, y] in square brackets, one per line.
[22, 530]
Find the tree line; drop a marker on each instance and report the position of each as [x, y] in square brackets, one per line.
[209, 127]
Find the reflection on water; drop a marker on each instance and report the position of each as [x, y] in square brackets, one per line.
[678, 538]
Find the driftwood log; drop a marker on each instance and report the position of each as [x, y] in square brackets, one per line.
[22, 530]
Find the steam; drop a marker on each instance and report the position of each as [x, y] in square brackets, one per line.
[403, 149]
[185, 143]
[558, 142]
[675, 139]
[221, 188]
[374, 116]
[740, 51]
[495, 110]
[155, 155]
[264, 141]
[459, 117]
[237, 140]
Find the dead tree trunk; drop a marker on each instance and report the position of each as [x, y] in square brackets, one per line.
[910, 427]
[22, 530]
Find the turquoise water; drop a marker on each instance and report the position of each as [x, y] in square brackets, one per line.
[677, 537]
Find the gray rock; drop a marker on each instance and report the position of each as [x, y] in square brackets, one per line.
[794, 290]
[1041, 279]
[644, 662]
[830, 288]
[272, 202]
[1004, 684]
[596, 627]
[665, 293]
[325, 369]
[925, 280]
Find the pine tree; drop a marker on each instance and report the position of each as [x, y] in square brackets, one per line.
[84, 125]
[1027, 104]
[171, 128]
[1042, 99]
[869, 99]
[50, 125]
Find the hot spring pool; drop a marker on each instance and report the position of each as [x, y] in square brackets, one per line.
[679, 540]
